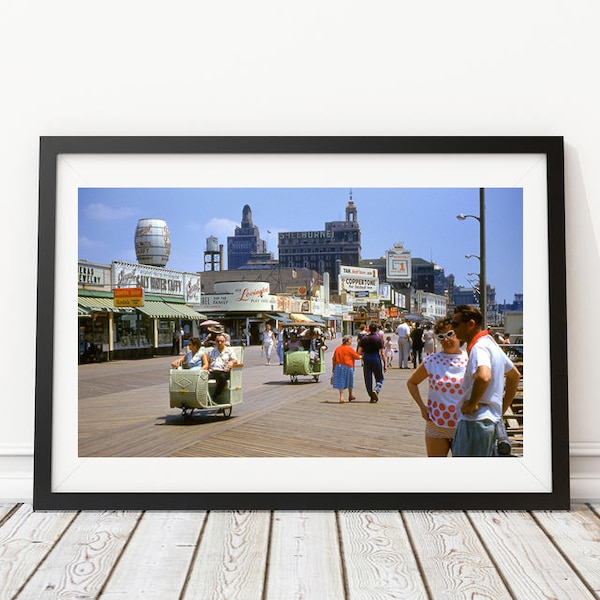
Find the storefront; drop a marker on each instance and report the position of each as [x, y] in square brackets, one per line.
[109, 332]
[245, 307]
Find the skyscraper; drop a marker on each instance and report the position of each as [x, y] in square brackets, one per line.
[245, 242]
[323, 251]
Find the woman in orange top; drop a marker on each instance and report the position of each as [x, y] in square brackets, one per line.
[343, 367]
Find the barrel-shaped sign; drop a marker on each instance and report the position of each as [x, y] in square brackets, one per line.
[152, 242]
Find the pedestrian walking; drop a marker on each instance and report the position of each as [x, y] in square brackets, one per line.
[403, 333]
[342, 363]
[485, 397]
[416, 341]
[280, 341]
[388, 350]
[268, 342]
[362, 331]
[370, 349]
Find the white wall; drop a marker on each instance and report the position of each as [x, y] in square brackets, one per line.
[327, 67]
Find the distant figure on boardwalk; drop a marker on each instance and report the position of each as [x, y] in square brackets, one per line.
[362, 331]
[213, 332]
[428, 340]
[403, 333]
[388, 350]
[269, 341]
[280, 342]
[484, 398]
[342, 363]
[416, 341]
[315, 345]
[370, 348]
[445, 371]
[293, 344]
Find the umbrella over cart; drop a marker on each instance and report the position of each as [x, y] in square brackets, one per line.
[208, 323]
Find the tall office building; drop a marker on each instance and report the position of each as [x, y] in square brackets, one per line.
[428, 277]
[245, 243]
[323, 251]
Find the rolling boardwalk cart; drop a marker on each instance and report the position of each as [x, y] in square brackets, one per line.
[191, 389]
[298, 362]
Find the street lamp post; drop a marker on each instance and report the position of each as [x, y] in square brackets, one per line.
[482, 254]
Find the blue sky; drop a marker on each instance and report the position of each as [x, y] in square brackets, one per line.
[424, 220]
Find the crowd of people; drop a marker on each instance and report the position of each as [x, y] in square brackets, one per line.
[471, 382]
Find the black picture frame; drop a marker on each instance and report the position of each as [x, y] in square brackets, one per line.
[549, 150]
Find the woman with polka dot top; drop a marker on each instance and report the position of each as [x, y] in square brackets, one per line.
[445, 371]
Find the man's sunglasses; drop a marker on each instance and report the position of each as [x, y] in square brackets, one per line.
[446, 336]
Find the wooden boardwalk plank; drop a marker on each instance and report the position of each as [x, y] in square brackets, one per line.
[378, 558]
[26, 538]
[577, 535]
[529, 563]
[232, 557]
[82, 560]
[156, 561]
[116, 418]
[454, 562]
[305, 559]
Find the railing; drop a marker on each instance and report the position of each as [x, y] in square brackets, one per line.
[513, 417]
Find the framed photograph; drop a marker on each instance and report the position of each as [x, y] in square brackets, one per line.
[179, 240]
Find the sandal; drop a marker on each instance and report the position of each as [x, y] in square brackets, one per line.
[350, 398]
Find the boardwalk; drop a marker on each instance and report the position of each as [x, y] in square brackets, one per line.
[124, 411]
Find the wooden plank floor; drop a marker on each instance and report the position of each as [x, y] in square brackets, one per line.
[283, 554]
[322, 555]
[124, 411]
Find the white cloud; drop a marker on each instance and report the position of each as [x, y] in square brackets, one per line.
[220, 228]
[104, 212]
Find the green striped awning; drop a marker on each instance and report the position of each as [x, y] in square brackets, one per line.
[162, 310]
[97, 304]
[187, 312]
[153, 308]
[158, 310]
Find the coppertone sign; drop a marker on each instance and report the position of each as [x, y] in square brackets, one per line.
[357, 279]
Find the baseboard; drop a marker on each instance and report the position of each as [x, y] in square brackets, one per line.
[16, 472]
[585, 471]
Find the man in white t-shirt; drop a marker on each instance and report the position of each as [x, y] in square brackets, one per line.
[485, 398]
[403, 333]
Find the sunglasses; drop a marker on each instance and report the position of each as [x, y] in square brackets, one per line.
[446, 336]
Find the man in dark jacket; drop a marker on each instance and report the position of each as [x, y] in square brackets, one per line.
[417, 343]
[370, 348]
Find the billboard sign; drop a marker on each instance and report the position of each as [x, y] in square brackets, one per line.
[398, 263]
